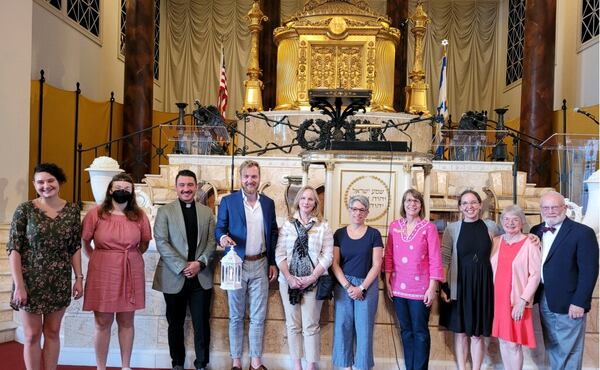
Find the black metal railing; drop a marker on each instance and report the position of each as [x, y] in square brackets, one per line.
[105, 148]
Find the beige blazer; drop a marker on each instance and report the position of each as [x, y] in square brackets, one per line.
[171, 243]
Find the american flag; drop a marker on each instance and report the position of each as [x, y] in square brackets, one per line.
[223, 94]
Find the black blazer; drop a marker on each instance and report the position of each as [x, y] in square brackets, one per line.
[571, 268]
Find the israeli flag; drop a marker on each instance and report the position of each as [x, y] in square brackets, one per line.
[442, 107]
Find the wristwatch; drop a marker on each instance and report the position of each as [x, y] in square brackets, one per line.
[362, 288]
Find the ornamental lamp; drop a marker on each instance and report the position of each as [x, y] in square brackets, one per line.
[231, 271]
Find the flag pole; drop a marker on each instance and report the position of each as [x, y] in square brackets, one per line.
[442, 107]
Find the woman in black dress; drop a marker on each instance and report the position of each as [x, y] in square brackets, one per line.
[466, 248]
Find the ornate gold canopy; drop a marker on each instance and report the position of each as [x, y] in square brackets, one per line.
[335, 44]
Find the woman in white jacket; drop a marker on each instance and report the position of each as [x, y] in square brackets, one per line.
[304, 253]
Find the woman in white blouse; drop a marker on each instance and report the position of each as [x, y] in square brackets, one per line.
[304, 252]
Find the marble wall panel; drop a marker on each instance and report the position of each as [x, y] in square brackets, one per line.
[590, 352]
[592, 318]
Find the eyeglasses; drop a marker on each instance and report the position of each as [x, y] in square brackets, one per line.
[474, 203]
[551, 208]
[359, 210]
[416, 201]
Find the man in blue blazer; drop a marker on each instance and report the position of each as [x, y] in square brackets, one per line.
[569, 274]
[246, 220]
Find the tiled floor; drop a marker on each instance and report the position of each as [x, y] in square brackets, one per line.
[11, 354]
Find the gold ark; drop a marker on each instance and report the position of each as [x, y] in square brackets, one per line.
[335, 44]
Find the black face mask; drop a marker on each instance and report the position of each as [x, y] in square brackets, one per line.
[121, 196]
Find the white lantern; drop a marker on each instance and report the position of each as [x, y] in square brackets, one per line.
[231, 271]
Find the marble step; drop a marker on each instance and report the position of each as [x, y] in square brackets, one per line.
[6, 312]
[5, 279]
[7, 331]
[5, 293]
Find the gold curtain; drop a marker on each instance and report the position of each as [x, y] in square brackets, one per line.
[470, 28]
[193, 33]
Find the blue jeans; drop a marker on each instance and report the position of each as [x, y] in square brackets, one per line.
[563, 338]
[413, 317]
[255, 289]
[354, 319]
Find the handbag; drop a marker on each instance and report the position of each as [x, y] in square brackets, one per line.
[325, 285]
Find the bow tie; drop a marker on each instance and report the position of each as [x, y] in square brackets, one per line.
[552, 229]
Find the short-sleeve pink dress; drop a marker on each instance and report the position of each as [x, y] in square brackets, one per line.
[115, 277]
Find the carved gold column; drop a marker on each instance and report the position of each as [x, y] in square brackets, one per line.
[416, 92]
[253, 85]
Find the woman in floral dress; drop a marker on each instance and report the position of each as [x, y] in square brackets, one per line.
[43, 247]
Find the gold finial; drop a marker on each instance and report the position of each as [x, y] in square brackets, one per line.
[416, 91]
[253, 85]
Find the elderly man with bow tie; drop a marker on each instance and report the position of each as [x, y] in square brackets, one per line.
[569, 274]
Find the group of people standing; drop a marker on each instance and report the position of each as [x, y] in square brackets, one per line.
[488, 277]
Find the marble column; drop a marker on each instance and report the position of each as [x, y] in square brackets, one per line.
[397, 10]
[139, 84]
[537, 91]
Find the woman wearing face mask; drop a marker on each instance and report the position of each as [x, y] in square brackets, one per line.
[120, 231]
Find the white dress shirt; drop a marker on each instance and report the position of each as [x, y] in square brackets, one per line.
[547, 240]
[255, 229]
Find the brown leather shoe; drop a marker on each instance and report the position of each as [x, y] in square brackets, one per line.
[261, 367]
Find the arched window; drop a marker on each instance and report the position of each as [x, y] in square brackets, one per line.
[515, 41]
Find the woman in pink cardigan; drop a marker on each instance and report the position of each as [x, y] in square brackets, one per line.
[413, 269]
[516, 264]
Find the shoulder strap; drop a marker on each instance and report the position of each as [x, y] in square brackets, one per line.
[295, 223]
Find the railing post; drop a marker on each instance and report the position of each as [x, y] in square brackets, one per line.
[77, 94]
[40, 116]
[110, 123]
[159, 145]
[79, 153]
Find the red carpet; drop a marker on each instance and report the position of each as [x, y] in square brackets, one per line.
[11, 355]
